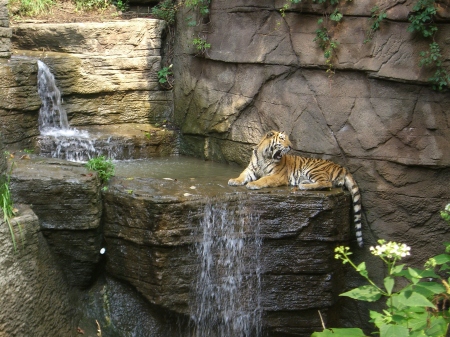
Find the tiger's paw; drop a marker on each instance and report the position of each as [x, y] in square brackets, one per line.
[234, 182]
[253, 186]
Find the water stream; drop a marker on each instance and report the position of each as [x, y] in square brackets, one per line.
[226, 297]
[66, 142]
[226, 302]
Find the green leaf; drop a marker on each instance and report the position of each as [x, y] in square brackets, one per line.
[341, 332]
[418, 320]
[367, 293]
[393, 331]
[414, 300]
[438, 327]
[442, 258]
[377, 318]
[428, 289]
[389, 284]
[362, 269]
[397, 269]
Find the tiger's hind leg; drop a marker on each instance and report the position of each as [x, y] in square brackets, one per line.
[318, 185]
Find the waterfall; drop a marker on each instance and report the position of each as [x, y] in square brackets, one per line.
[58, 139]
[52, 115]
[227, 295]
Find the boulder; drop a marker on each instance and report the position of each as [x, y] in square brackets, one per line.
[152, 241]
[36, 300]
[66, 198]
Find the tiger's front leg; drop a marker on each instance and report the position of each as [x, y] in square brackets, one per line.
[267, 181]
[246, 176]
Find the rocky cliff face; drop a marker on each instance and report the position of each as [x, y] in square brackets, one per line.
[36, 298]
[5, 31]
[151, 238]
[107, 73]
[375, 115]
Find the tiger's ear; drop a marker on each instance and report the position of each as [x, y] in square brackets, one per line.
[270, 134]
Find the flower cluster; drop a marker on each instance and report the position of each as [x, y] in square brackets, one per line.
[342, 253]
[390, 250]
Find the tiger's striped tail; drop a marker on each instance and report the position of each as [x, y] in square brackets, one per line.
[351, 185]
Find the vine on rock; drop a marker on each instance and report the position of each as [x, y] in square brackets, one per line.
[421, 21]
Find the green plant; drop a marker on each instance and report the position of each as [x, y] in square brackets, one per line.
[7, 207]
[433, 57]
[29, 7]
[201, 45]
[422, 21]
[202, 5]
[327, 44]
[286, 6]
[104, 167]
[421, 18]
[121, 5]
[415, 310]
[166, 11]
[88, 5]
[164, 75]
[377, 17]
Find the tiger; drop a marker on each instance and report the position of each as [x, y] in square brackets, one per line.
[271, 166]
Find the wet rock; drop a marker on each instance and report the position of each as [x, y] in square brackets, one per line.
[150, 238]
[66, 199]
[107, 71]
[120, 141]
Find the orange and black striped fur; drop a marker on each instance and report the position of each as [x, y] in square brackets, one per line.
[271, 166]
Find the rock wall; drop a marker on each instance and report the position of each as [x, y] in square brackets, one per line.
[36, 300]
[151, 231]
[5, 31]
[66, 198]
[107, 73]
[375, 115]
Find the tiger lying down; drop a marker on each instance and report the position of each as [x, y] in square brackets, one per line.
[271, 166]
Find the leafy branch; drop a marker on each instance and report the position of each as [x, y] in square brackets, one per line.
[417, 309]
[377, 17]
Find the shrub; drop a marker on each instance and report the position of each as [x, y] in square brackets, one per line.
[419, 309]
[104, 167]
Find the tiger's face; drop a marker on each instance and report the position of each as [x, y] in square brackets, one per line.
[274, 145]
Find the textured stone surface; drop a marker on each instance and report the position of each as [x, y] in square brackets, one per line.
[19, 101]
[376, 115]
[5, 31]
[119, 141]
[36, 301]
[66, 198]
[107, 72]
[150, 236]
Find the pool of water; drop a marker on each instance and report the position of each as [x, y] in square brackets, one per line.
[177, 168]
[174, 177]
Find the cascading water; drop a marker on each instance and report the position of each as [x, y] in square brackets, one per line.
[64, 142]
[227, 297]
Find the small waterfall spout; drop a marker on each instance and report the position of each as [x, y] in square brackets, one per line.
[52, 115]
[227, 298]
[58, 139]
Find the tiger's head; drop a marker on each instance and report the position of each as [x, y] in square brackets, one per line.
[274, 145]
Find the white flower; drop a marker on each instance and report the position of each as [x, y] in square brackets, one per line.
[390, 250]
